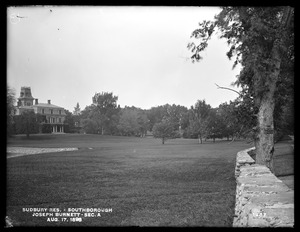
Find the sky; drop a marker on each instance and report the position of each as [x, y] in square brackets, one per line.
[67, 54]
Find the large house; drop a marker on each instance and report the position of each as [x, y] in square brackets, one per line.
[54, 115]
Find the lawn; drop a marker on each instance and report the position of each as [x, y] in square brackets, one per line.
[145, 183]
[283, 158]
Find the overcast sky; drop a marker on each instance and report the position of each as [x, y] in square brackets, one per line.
[67, 54]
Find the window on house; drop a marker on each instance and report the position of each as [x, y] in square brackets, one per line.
[59, 111]
[59, 119]
[51, 111]
[43, 111]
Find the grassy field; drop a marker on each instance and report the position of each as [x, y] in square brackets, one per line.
[145, 183]
[284, 159]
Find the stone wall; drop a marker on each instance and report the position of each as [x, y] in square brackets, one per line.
[262, 200]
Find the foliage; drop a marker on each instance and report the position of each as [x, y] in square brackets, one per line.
[133, 122]
[69, 120]
[105, 111]
[27, 123]
[46, 128]
[228, 118]
[199, 115]
[155, 115]
[10, 110]
[128, 123]
[76, 118]
[176, 114]
[252, 33]
[164, 130]
[215, 125]
[89, 126]
[143, 122]
[77, 109]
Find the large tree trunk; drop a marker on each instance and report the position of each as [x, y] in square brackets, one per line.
[265, 140]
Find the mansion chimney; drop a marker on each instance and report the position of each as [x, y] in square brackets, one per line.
[49, 101]
[36, 101]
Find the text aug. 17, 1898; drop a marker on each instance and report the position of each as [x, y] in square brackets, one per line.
[66, 214]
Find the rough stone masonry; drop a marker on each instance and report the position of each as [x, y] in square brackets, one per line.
[262, 200]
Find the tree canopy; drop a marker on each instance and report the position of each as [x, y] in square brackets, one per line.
[106, 109]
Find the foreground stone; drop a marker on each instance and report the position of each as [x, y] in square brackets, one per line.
[262, 200]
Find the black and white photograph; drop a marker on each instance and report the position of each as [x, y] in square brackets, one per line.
[150, 116]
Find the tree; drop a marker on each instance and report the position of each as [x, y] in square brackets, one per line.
[69, 121]
[77, 116]
[27, 123]
[175, 114]
[10, 110]
[260, 38]
[106, 109]
[227, 115]
[133, 121]
[77, 109]
[128, 123]
[215, 127]
[155, 115]
[199, 119]
[143, 122]
[164, 130]
[89, 126]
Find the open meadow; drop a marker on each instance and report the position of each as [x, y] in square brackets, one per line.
[145, 183]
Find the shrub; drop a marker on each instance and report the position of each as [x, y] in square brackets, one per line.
[46, 128]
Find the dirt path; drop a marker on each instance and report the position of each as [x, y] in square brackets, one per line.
[13, 152]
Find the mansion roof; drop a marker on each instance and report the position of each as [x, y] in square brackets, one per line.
[43, 105]
[47, 105]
